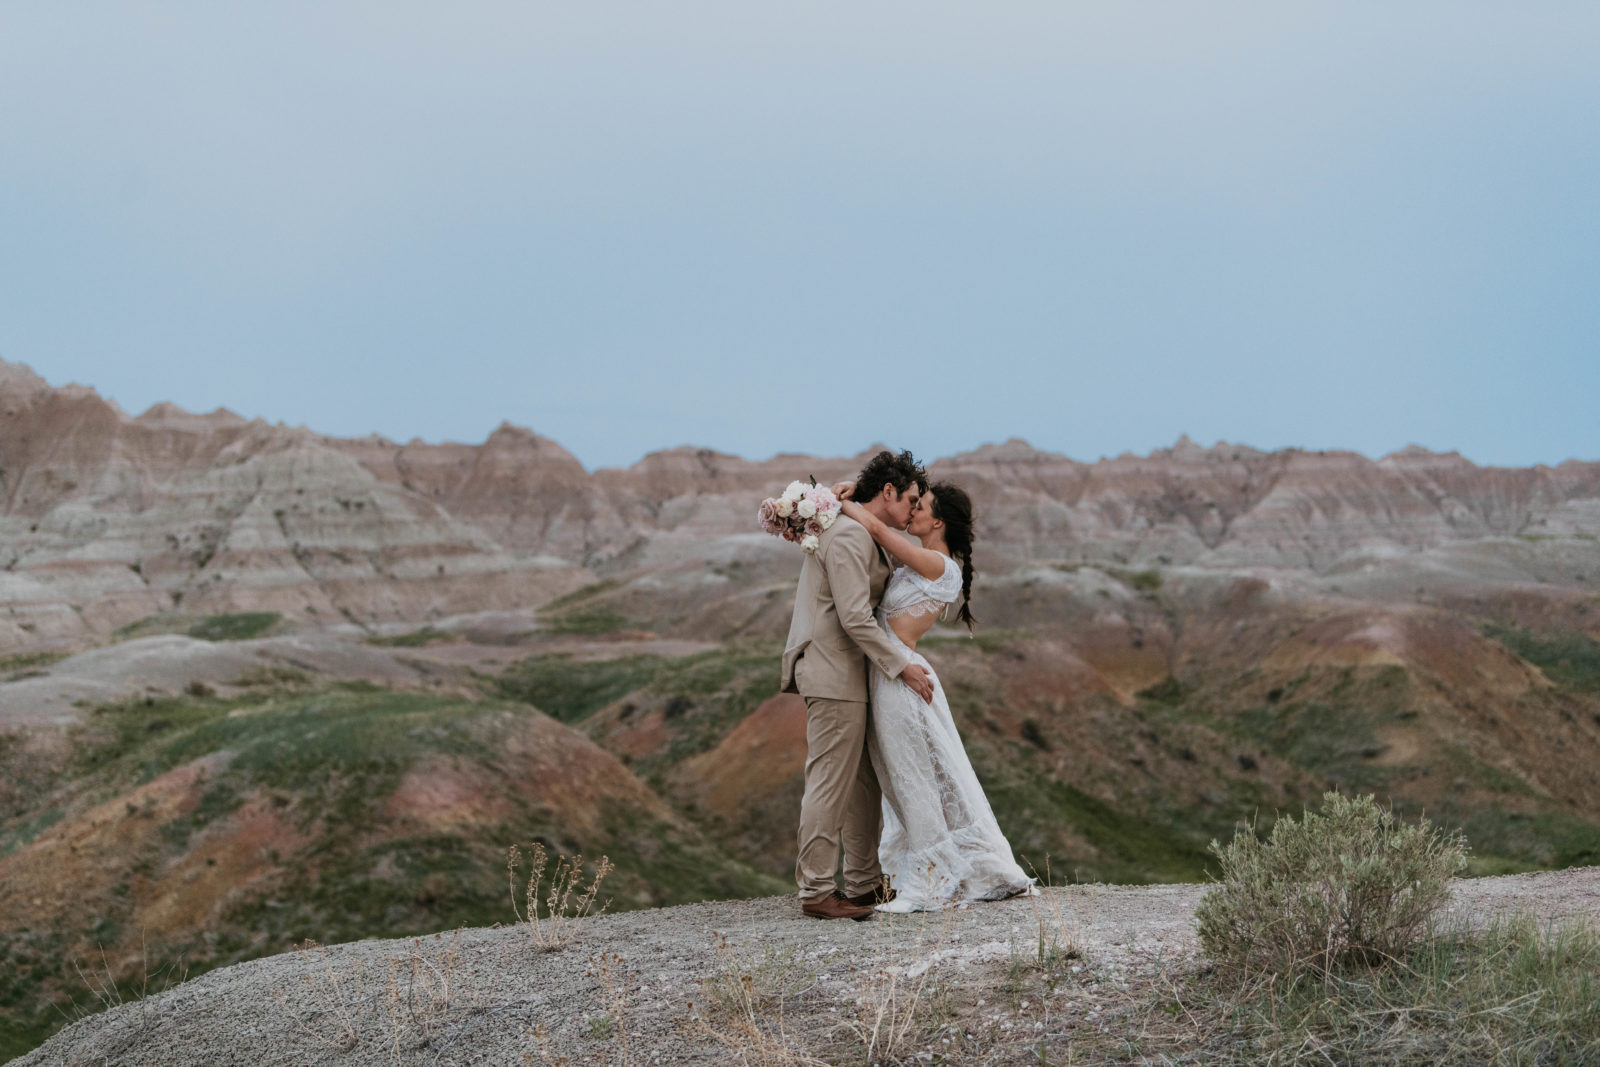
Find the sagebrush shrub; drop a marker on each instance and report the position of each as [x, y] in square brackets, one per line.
[1348, 884]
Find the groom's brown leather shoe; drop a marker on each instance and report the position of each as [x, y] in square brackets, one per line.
[881, 895]
[835, 906]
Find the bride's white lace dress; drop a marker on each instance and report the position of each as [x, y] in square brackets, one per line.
[941, 844]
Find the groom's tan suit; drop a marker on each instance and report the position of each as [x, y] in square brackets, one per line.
[831, 637]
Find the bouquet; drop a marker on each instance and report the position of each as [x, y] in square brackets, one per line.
[800, 514]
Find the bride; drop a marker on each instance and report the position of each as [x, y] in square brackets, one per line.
[941, 844]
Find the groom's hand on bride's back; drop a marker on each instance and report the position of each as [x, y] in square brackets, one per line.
[920, 681]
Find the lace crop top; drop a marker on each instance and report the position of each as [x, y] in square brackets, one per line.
[909, 593]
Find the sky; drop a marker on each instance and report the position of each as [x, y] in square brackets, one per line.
[766, 228]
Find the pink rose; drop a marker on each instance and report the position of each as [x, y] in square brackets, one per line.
[767, 515]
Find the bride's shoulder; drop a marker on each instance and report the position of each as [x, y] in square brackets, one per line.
[952, 571]
[948, 584]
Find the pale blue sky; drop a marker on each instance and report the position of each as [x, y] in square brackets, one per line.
[765, 228]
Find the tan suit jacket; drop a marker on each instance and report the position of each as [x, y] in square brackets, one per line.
[833, 632]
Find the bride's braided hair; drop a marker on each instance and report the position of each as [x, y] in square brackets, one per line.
[953, 507]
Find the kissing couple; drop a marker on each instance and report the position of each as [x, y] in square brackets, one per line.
[882, 753]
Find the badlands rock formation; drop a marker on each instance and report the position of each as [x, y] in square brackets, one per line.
[106, 518]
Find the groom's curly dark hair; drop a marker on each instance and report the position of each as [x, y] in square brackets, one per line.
[887, 468]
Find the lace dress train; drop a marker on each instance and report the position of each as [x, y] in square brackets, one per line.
[941, 844]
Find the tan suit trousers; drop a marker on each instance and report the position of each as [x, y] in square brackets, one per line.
[842, 805]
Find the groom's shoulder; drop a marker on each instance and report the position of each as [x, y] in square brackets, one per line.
[847, 531]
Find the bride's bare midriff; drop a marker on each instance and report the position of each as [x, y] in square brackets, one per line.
[910, 628]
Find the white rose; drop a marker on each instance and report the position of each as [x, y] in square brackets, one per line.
[810, 542]
[826, 518]
[794, 492]
[807, 508]
[785, 507]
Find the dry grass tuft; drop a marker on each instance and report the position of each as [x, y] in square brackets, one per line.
[1063, 937]
[1514, 991]
[745, 1008]
[335, 1021]
[419, 991]
[609, 970]
[892, 999]
[109, 992]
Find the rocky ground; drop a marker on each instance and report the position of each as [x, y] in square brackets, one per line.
[663, 986]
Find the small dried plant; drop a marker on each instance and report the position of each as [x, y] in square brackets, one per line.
[609, 970]
[548, 1057]
[890, 998]
[421, 989]
[744, 1008]
[336, 994]
[551, 907]
[108, 991]
[1062, 937]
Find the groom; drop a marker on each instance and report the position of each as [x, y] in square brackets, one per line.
[831, 637]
